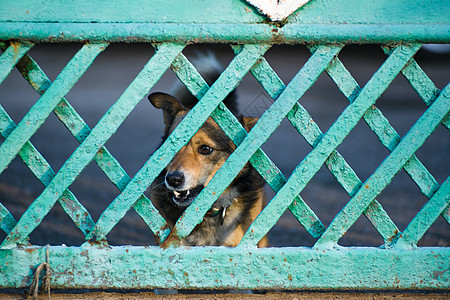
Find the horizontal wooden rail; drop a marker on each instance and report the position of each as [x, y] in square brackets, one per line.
[223, 268]
[223, 33]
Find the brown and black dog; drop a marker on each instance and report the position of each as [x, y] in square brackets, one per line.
[191, 170]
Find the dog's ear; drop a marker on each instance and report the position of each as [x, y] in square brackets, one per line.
[248, 122]
[170, 106]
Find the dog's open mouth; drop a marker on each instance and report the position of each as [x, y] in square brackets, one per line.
[185, 198]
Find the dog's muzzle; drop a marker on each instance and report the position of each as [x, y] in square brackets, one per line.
[175, 182]
[185, 198]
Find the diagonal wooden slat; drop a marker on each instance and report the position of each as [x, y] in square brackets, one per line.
[304, 124]
[328, 143]
[425, 217]
[268, 122]
[446, 214]
[228, 80]
[37, 164]
[189, 76]
[7, 221]
[419, 80]
[80, 130]
[45, 105]
[11, 56]
[43, 171]
[83, 132]
[274, 86]
[33, 159]
[428, 92]
[384, 131]
[380, 125]
[109, 123]
[416, 136]
[388, 137]
[421, 83]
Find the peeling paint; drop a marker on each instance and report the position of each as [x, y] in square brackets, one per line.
[199, 267]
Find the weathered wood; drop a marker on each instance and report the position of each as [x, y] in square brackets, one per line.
[224, 268]
[325, 26]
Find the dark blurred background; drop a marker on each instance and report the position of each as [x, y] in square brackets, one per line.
[141, 133]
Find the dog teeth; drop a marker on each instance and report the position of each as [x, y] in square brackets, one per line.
[187, 193]
[177, 194]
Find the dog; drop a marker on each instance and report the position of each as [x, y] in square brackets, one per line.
[191, 170]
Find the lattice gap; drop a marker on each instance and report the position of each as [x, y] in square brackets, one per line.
[253, 100]
[94, 190]
[223, 53]
[401, 105]
[107, 78]
[53, 57]
[362, 151]
[437, 235]
[362, 61]
[136, 140]
[18, 189]
[20, 180]
[289, 233]
[57, 229]
[23, 94]
[286, 142]
[435, 65]
[435, 153]
[53, 135]
[362, 233]
[324, 102]
[131, 230]
[325, 196]
[403, 196]
[286, 60]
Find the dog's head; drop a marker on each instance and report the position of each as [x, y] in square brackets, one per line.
[197, 162]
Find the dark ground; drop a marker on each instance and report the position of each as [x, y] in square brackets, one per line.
[140, 134]
[238, 296]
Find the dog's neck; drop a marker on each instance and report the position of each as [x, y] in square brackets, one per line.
[214, 212]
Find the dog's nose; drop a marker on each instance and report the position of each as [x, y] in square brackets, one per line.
[175, 179]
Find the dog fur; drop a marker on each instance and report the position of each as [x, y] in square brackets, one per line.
[191, 170]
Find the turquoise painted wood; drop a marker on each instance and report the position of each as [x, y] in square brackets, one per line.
[200, 21]
[277, 268]
[268, 122]
[334, 136]
[326, 26]
[181, 135]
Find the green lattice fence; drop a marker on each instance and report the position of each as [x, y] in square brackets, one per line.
[398, 264]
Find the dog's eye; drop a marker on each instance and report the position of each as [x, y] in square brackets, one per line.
[205, 149]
